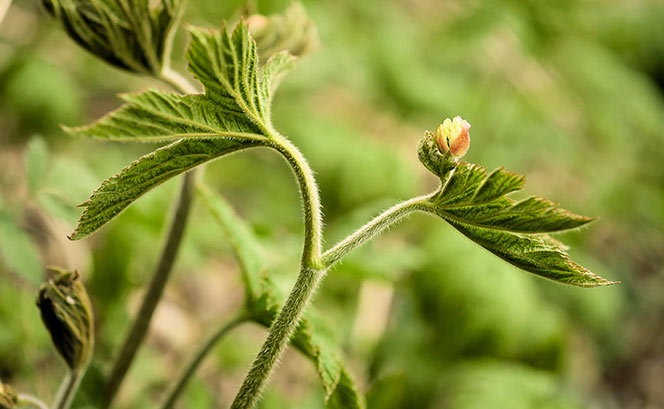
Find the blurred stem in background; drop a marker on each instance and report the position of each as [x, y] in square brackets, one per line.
[162, 272]
[68, 389]
[155, 291]
[199, 356]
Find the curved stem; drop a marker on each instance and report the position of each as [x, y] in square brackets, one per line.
[373, 228]
[160, 277]
[311, 274]
[29, 400]
[68, 389]
[197, 359]
[310, 200]
[280, 333]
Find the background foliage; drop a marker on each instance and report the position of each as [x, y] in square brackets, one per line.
[569, 93]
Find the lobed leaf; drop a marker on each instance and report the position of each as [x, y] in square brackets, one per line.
[476, 204]
[472, 197]
[155, 116]
[232, 114]
[261, 301]
[533, 254]
[227, 66]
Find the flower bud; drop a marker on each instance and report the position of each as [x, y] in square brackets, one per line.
[8, 398]
[452, 136]
[67, 314]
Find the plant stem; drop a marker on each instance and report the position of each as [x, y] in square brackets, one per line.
[68, 389]
[310, 200]
[310, 276]
[197, 359]
[25, 400]
[159, 279]
[373, 228]
[163, 269]
[280, 332]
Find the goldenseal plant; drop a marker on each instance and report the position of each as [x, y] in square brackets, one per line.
[233, 113]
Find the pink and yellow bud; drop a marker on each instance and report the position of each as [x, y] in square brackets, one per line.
[452, 136]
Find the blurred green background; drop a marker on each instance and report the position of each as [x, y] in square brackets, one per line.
[570, 93]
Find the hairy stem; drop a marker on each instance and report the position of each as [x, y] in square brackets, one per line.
[280, 333]
[29, 400]
[374, 227]
[160, 277]
[198, 357]
[68, 389]
[311, 274]
[310, 200]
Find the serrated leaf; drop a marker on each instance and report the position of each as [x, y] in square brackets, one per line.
[531, 253]
[155, 116]
[261, 301]
[133, 35]
[476, 204]
[233, 114]
[227, 66]
[153, 169]
[472, 197]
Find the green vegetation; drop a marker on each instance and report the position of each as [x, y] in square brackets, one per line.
[568, 94]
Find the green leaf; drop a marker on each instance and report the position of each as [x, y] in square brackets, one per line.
[244, 242]
[36, 162]
[310, 338]
[132, 35]
[155, 116]
[476, 204]
[233, 114]
[119, 191]
[227, 66]
[470, 196]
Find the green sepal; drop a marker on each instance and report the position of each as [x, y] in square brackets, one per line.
[66, 312]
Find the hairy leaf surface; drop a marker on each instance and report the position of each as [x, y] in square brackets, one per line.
[133, 35]
[310, 338]
[476, 204]
[232, 114]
